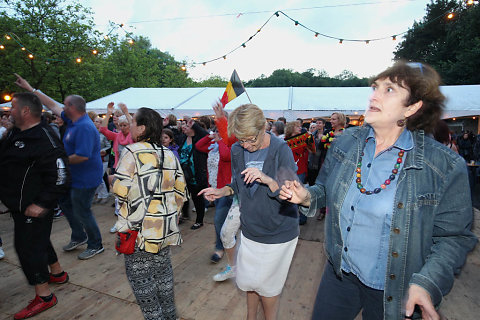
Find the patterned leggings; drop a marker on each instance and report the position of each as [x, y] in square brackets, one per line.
[151, 278]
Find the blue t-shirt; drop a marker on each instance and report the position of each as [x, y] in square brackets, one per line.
[82, 138]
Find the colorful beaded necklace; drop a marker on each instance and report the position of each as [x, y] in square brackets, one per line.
[386, 183]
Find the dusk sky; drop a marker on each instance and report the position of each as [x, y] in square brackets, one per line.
[201, 30]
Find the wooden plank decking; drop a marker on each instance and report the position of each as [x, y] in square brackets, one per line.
[98, 288]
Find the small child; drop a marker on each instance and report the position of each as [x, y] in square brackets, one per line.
[167, 139]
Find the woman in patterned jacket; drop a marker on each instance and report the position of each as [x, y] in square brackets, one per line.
[150, 186]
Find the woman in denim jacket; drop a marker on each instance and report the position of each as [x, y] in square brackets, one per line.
[398, 206]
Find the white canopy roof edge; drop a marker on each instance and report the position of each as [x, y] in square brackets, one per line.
[289, 102]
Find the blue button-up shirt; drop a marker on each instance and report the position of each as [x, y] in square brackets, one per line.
[365, 220]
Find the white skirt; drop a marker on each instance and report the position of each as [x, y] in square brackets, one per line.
[262, 267]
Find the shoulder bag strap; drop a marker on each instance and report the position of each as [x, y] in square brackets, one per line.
[158, 176]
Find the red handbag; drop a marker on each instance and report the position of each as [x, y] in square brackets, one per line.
[126, 241]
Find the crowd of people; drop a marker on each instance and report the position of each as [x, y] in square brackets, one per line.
[395, 235]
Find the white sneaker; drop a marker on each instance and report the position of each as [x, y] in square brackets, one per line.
[229, 272]
[2, 253]
[113, 229]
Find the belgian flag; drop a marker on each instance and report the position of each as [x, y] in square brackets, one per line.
[233, 90]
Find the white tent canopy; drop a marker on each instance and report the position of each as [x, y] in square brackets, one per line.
[289, 102]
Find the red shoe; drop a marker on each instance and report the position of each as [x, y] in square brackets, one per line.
[35, 306]
[62, 279]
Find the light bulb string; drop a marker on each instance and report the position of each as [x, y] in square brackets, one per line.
[243, 45]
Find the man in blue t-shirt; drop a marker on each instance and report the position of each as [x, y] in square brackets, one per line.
[82, 144]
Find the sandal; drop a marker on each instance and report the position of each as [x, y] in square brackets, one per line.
[196, 226]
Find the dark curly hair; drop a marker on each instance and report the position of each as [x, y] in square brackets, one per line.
[153, 123]
[422, 82]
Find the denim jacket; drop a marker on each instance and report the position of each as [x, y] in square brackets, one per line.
[430, 230]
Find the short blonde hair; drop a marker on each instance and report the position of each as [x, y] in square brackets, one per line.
[122, 119]
[246, 121]
[341, 117]
[92, 115]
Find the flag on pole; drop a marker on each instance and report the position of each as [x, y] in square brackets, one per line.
[234, 89]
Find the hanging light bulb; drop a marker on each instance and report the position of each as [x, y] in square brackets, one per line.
[7, 97]
[78, 60]
[105, 37]
[8, 37]
[243, 45]
[296, 23]
[276, 13]
[367, 41]
[470, 2]
[30, 56]
[224, 57]
[450, 15]
[341, 41]
[2, 47]
[130, 41]
[94, 51]
[183, 67]
[23, 49]
[316, 34]
[394, 38]
[204, 63]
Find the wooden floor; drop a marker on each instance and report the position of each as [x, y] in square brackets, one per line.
[98, 288]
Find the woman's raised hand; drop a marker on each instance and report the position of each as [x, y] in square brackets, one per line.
[123, 107]
[110, 107]
[294, 192]
[218, 109]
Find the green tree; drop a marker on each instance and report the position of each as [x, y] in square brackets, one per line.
[55, 34]
[213, 82]
[451, 46]
[309, 78]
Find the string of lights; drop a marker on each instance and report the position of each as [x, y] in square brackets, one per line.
[449, 15]
[130, 38]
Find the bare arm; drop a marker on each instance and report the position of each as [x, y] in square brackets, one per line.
[212, 194]
[46, 100]
[124, 108]
[75, 159]
[109, 113]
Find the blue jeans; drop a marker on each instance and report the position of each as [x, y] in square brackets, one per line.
[77, 209]
[222, 206]
[302, 219]
[342, 299]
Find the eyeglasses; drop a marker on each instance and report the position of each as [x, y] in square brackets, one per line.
[250, 141]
